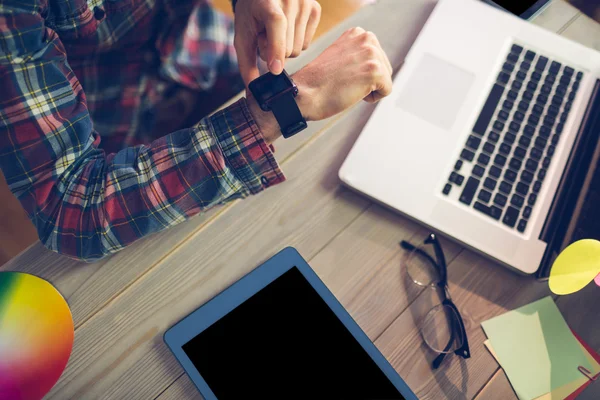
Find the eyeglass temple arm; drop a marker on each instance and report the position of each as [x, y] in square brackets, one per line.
[440, 258]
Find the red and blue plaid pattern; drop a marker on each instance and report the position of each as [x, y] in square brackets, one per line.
[80, 80]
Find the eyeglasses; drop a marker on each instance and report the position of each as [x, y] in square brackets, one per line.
[443, 329]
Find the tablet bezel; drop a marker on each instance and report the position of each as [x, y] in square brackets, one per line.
[528, 14]
[223, 303]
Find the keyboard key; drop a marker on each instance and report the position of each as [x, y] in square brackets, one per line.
[510, 137]
[564, 116]
[553, 110]
[531, 199]
[514, 126]
[521, 75]
[458, 165]
[523, 105]
[512, 94]
[541, 63]
[468, 192]
[557, 100]
[537, 185]
[561, 90]
[508, 67]
[526, 176]
[542, 174]
[505, 187]
[579, 75]
[529, 55]
[492, 211]
[564, 80]
[489, 183]
[519, 116]
[488, 109]
[528, 95]
[517, 200]
[520, 153]
[538, 109]
[473, 142]
[546, 89]
[505, 149]
[568, 71]
[542, 99]
[503, 77]
[531, 165]
[535, 153]
[559, 127]
[551, 150]
[536, 76]
[515, 163]
[555, 67]
[516, 49]
[572, 95]
[522, 188]
[500, 199]
[545, 131]
[510, 216]
[546, 162]
[484, 195]
[527, 212]
[510, 176]
[568, 106]
[483, 159]
[524, 141]
[522, 225]
[550, 79]
[503, 115]
[549, 120]
[540, 142]
[478, 171]
[534, 120]
[447, 188]
[555, 139]
[495, 171]
[499, 125]
[525, 66]
[493, 137]
[513, 58]
[531, 86]
[529, 130]
[500, 160]
[489, 148]
[516, 85]
[467, 155]
[456, 178]
[575, 85]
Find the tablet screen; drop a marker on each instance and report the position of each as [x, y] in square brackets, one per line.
[517, 7]
[285, 342]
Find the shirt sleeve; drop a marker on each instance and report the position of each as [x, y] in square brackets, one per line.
[87, 204]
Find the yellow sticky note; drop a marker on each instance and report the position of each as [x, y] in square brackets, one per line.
[575, 267]
[564, 391]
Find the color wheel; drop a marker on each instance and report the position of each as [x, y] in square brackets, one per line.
[36, 336]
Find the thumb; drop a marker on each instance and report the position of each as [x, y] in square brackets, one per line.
[276, 28]
[246, 52]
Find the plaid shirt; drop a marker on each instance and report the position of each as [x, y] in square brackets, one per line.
[74, 134]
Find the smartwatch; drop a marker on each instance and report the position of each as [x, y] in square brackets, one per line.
[277, 93]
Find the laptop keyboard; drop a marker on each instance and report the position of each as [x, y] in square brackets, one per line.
[503, 164]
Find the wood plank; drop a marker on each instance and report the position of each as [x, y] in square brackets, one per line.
[556, 16]
[182, 388]
[585, 31]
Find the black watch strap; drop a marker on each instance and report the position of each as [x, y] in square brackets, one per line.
[288, 114]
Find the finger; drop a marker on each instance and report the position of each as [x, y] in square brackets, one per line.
[300, 30]
[384, 88]
[262, 46]
[246, 52]
[384, 59]
[353, 32]
[311, 26]
[276, 27]
[291, 12]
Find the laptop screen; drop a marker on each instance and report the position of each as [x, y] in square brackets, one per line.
[285, 342]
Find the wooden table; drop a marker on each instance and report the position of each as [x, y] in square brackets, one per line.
[122, 305]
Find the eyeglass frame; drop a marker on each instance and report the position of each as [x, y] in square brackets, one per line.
[440, 265]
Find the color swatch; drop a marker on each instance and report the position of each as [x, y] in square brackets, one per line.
[575, 267]
[36, 336]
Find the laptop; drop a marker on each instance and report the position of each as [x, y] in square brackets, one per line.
[490, 136]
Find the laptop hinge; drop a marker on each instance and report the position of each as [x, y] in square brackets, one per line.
[570, 190]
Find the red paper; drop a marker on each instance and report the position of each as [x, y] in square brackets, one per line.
[596, 356]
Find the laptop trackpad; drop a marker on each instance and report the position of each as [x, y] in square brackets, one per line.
[436, 91]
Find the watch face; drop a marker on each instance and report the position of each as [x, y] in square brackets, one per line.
[269, 85]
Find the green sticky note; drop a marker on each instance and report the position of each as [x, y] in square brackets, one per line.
[536, 348]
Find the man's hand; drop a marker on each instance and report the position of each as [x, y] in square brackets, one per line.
[352, 69]
[279, 28]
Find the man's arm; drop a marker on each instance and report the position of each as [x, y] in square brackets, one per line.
[87, 204]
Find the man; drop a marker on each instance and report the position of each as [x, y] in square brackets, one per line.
[71, 74]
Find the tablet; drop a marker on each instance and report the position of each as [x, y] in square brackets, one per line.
[525, 9]
[279, 333]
